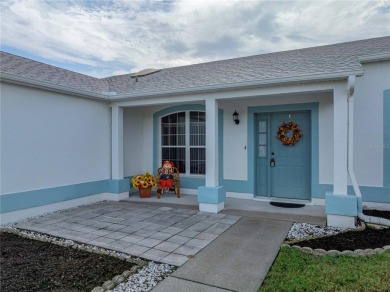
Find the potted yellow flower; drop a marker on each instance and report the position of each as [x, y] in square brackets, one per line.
[144, 183]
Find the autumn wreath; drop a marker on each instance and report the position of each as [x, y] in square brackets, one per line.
[284, 129]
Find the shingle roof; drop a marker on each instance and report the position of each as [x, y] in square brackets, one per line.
[27, 68]
[338, 58]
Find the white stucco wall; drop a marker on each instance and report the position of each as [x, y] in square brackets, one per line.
[326, 146]
[148, 142]
[235, 139]
[133, 150]
[50, 139]
[368, 121]
[138, 139]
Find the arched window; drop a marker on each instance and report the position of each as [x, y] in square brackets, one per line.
[183, 141]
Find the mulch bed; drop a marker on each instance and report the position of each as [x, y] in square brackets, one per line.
[368, 238]
[365, 239]
[377, 213]
[32, 265]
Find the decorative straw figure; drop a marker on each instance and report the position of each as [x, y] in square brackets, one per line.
[166, 176]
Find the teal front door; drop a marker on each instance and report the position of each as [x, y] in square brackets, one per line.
[283, 171]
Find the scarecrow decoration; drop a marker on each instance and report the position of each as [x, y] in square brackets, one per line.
[166, 176]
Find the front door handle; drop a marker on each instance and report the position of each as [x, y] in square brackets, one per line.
[272, 162]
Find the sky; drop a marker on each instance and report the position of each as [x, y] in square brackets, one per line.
[102, 38]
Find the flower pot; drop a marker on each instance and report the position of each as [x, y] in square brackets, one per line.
[145, 193]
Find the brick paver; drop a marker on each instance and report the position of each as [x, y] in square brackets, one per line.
[164, 234]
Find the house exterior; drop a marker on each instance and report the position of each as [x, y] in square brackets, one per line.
[68, 139]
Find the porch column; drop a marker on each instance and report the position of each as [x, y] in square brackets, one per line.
[341, 208]
[211, 197]
[211, 143]
[340, 141]
[117, 187]
[117, 143]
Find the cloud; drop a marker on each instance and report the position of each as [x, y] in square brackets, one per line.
[118, 36]
[219, 47]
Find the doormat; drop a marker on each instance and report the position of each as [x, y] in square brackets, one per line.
[287, 205]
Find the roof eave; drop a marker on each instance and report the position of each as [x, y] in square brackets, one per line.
[10, 78]
[240, 85]
[374, 58]
[14, 79]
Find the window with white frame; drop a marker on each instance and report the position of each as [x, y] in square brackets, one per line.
[183, 141]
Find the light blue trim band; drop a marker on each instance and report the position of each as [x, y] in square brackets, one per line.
[373, 194]
[386, 138]
[343, 205]
[191, 182]
[117, 186]
[252, 111]
[369, 194]
[211, 195]
[36, 198]
[320, 190]
[360, 204]
[239, 186]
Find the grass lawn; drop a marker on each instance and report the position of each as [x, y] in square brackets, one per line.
[297, 271]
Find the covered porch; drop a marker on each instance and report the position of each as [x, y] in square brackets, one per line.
[230, 150]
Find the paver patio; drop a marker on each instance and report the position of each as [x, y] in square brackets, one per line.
[164, 234]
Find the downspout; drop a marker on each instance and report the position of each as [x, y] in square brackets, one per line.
[351, 173]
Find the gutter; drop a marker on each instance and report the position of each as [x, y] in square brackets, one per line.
[14, 79]
[351, 172]
[109, 97]
[374, 58]
[238, 85]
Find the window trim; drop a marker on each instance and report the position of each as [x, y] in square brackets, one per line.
[187, 141]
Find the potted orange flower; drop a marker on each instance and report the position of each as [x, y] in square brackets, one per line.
[144, 183]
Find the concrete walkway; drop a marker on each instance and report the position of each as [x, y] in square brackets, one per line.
[238, 260]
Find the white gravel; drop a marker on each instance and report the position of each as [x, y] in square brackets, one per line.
[304, 230]
[146, 279]
[11, 224]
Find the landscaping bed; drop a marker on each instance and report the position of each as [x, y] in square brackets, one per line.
[33, 261]
[32, 265]
[368, 238]
[328, 238]
[377, 213]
